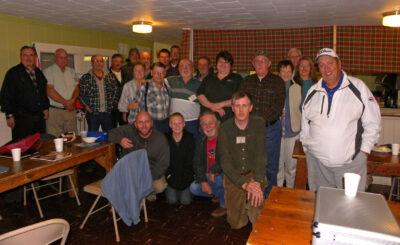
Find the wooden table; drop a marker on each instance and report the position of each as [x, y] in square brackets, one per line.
[287, 217]
[383, 164]
[28, 170]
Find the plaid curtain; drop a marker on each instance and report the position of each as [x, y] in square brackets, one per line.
[362, 49]
[369, 49]
[185, 44]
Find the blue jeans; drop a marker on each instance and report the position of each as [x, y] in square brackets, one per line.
[95, 119]
[193, 128]
[273, 143]
[217, 188]
[183, 196]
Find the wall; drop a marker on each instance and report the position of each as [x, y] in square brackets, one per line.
[19, 31]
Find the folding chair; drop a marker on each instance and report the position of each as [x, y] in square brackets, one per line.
[58, 179]
[45, 232]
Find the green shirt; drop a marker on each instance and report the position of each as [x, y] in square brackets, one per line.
[64, 82]
[241, 151]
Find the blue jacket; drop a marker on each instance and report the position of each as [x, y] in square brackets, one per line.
[128, 182]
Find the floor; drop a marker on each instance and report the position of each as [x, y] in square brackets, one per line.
[168, 224]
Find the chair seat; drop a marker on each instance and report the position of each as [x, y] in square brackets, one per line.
[94, 188]
[60, 174]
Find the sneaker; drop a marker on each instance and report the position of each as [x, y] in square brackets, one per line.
[214, 200]
[219, 212]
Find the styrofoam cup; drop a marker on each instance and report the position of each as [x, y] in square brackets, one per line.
[395, 149]
[83, 134]
[16, 154]
[351, 181]
[59, 142]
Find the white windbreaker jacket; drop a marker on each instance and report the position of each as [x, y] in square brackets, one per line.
[353, 122]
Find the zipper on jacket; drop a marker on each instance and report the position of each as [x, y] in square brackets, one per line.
[322, 104]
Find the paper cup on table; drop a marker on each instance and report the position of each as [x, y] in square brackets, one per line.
[395, 149]
[83, 134]
[59, 142]
[351, 181]
[16, 154]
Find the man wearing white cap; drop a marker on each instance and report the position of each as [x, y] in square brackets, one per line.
[340, 124]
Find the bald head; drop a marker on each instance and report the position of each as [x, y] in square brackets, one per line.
[145, 59]
[186, 68]
[144, 124]
[61, 58]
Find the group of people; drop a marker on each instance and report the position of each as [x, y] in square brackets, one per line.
[208, 134]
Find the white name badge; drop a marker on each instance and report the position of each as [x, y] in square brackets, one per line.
[192, 97]
[240, 140]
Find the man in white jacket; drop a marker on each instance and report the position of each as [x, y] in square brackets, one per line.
[340, 124]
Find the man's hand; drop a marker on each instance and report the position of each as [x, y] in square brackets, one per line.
[254, 193]
[126, 143]
[221, 112]
[87, 108]
[133, 106]
[206, 188]
[46, 114]
[69, 104]
[11, 122]
[211, 177]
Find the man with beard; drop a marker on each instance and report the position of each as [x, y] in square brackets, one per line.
[183, 96]
[142, 135]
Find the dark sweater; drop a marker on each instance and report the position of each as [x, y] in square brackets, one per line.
[156, 146]
[181, 161]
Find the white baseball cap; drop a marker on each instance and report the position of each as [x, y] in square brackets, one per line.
[326, 51]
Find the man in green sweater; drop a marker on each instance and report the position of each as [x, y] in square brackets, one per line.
[243, 158]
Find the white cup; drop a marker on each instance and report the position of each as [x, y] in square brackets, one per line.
[351, 181]
[395, 149]
[16, 154]
[83, 134]
[59, 142]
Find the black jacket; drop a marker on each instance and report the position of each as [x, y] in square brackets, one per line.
[181, 161]
[200, 162]
[18, 94]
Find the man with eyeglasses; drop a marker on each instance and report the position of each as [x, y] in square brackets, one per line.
[268, 91]
[23, 97]
[142, 135]
[98, 96]
[294, 55]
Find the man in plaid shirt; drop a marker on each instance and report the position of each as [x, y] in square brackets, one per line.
[98, 96]
[268, 91]
[154, 97]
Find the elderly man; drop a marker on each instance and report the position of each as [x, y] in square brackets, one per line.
[294, 55]
[183, 96]
[164, 57]
[142, 135]
[98, 96]
[23, 97]
[204, 68]
[63, 90]
[269, 98]
[116, 76]
[127, 69]
[207, 170]
[145, 59]
[154, 98]
[340, 124]
[241, 150]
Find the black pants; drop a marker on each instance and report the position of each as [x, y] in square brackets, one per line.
[27, 124]
[117, 118]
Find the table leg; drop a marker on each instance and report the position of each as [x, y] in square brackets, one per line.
[301, 174]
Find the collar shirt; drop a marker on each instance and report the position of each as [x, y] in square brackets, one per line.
[154, 100]
[268, 95]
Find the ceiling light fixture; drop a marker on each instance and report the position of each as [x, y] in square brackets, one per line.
[142, 26]
[391, 19]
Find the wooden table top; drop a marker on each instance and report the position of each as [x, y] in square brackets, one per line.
[287, 217]
[28, 170]
[384, 164]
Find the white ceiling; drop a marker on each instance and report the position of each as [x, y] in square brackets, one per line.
[170, 16]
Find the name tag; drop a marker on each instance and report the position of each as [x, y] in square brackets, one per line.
[240, 140]
[192, 98]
